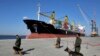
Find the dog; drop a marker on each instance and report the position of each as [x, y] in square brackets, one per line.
[17, 50]
[72, 53]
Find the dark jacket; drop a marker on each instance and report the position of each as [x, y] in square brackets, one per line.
[78, 42]
[18, 42]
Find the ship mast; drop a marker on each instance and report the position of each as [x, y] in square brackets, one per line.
[38, 13]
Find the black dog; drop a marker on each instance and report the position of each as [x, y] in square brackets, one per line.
[17, 50]
[73, 53]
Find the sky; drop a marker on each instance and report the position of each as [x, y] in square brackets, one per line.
[13, 11]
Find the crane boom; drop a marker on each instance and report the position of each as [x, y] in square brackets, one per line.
[83, 14]
[52, 17]
[44, 15]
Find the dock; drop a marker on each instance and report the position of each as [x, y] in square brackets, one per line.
[46, 46]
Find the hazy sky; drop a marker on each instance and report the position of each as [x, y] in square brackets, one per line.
[13, 11]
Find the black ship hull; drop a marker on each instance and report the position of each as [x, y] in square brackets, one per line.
[41, 27]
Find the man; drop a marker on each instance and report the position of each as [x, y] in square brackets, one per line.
[58, 42]
[78, 43]
[17, 45]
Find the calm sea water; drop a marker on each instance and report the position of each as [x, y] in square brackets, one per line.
[10, 37]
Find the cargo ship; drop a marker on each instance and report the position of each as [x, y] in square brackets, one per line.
[41, 29]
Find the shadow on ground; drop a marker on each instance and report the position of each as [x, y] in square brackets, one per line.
[59, 47]
[26, 51]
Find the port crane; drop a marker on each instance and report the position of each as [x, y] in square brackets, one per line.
[94, 29]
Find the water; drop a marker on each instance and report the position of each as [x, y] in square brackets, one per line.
[10, 37]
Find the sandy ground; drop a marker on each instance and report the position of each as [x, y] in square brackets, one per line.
[46, 47]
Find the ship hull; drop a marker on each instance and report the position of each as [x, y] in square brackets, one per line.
[46, 35]
[40, 29]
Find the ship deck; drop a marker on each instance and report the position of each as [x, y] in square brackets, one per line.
[46, 47]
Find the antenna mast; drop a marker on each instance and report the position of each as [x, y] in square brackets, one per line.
[38, 13]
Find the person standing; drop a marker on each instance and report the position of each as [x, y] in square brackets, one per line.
[78, 43]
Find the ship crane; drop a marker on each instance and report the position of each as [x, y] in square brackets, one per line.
[52, 17]
[61, 24]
